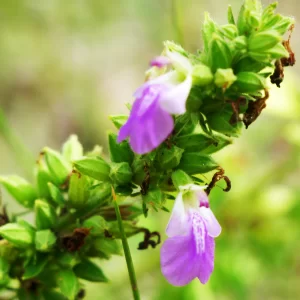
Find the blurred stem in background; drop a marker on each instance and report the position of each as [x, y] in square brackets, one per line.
[176, 22]
[22, 154]
[129, 262]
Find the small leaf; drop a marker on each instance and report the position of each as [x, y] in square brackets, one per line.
[249, 82]
[179, 178]
[89, 271]
[119, 120]
[53, 295]
[108, 246]
[45, 240]
[97, 224]
[68, 283]
[230, 16]
[195, 163]
[56, 194]
[119, 152]
[169, 158]
[120, 173]
[35, 266]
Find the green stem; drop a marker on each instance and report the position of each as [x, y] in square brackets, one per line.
[22, 154]
[176, 22]
[130, 267]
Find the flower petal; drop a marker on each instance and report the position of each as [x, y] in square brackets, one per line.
[148, 125]
[213, 227]
[179, 62]
[181, 263]
[173, 100]
[178, 223]
[160, 61]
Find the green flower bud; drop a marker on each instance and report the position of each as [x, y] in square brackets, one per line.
[8, 251]
[196, 163]
[120, 173]
[56, 194]
[45, 240]
[224, 78]
[230, 31]
[202, 75]
[96, 168]
[68, 283]
[263, 41]
[240, 42]
[57, 165]
[270, 21]
[180, 178]
[254, 19]
[72, 148]
[230, 16]
[89, 271]
[249, 82]
[219, 54]
[45, 216]
[219, 121]
[169, 158]
[263, 57]
[118, 120]
[155, 198]
[97, 224]
[119, 152]
[208, 28]
[20, 189]
[35, 266]
[17, 234]
[99, 194]
[78, 190]
[284, 25]
[42, 178]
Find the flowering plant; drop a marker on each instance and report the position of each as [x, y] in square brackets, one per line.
[190, 106]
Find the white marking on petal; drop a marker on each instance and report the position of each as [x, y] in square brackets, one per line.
[178, 223]
[180, 62]
[212, 225]
[173, 100]
[198, 232]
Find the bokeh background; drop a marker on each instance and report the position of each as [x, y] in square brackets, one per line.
[66, 65]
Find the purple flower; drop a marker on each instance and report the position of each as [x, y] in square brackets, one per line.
[160, 61]
[150, 121]
[188, 253]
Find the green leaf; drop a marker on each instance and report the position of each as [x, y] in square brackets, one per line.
[249, 82]
[119, 152]
[263, 41]
[230, 16]
[17, 234]
[208, 28]
[96, 168]
[119, 120]
[108, 246]
[154, 198]
[53, 295]
[68, 283]
[89, 271]
[20, 189]
[169, 158]
[99, 194]
[45, 240]
[67, 259]
[97, 224]
[179, 178]
[186, 123]
[43, 177]
[195, 163]
[56, 194]
[78, 190]
[120, 173]
[45, 216]
[35, 266]
[220, 122]
[72, 149]
[4, 269]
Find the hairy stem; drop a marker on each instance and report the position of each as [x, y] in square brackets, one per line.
[130, 267]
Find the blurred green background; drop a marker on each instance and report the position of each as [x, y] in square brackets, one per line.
[66, 65]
